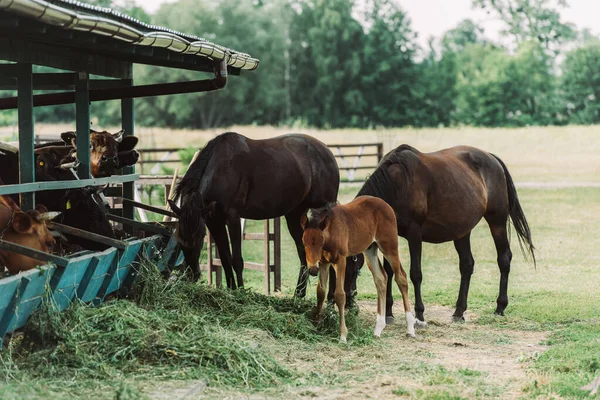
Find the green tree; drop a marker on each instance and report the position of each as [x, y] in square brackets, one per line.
[531, 20]
[581, 84]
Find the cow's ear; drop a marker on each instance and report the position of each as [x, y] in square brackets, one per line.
[21, 223]
[41, 208]
[128, 143]
[69, 137]
[176, 210]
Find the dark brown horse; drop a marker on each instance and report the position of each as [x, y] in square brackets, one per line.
[333, 233]
[440, 197]
[236, 177]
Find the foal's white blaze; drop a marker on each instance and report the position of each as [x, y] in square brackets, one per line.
[410, 324]
[379, 325]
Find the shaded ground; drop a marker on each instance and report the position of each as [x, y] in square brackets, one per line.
[446, 360]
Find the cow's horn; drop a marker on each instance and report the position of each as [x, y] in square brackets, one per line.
[72, 164]
[49, 216]
[119, 135]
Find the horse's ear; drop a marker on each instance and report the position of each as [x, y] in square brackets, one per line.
[209, 210]
[303, 221]
[324, 223]
[176, 210]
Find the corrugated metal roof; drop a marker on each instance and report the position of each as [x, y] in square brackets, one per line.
[71, 14]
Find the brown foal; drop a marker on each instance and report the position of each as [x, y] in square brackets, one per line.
[335, 232]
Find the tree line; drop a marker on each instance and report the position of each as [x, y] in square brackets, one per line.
[350, 63]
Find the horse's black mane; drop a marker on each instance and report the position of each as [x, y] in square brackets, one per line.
[380, 183]
[191, 180]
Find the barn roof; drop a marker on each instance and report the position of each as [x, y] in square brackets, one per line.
[103, 27]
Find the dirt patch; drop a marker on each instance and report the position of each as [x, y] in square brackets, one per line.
[465, 360]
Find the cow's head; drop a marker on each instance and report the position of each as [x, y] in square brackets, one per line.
[27, 229]
[104, 151]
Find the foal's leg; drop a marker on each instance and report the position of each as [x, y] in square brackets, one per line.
[219, 233]
[321, 287]
[389, 299]
[340, 295]
[500, 236]
[466, 263]
[295, 228]
[390, 251]
[380, 279]
[235, 234]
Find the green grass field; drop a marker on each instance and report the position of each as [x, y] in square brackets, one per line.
[189, 340]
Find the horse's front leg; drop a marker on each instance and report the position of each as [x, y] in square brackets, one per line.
[321, 288]
[234, 224]
[216, 226]
[340, 295]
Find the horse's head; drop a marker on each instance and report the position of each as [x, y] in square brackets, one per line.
[191, 227]
[315, 223]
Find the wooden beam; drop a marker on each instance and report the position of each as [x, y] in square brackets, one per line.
[119, 244]
[25, 51]
[38, 255]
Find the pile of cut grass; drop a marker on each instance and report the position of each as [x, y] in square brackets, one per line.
[169, 330]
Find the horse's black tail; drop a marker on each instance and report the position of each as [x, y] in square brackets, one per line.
[517, 215]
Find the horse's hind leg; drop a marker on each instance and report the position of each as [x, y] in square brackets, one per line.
[390, 252]
[295, 228]
[466, 264]
[234, 225]
[219, 233]
[500, 235]
[380, 279]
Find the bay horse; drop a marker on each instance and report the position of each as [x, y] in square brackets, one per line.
[335, 232]
[236, 177]
[440, 197]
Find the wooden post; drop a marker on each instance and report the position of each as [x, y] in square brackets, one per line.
[379, 152]
[267, 259]
[209, 258]
[277, 255]
[25, 112]
[169, 194]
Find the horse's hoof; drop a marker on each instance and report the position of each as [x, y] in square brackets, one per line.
[458, 319]
[411, 335]
[420, 324]
[343, 339]
[390, 320]
[501, 313]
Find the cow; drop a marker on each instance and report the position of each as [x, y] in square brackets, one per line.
[108, 153]
[27, 229]
[80, 208]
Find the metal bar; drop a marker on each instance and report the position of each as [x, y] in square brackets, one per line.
[74, 184]
[36, 254]
[267, 251]
[127, 116]
[150, 208]
[354, 144]
[26, 155]
[82, 126]
[119, 244]
[10, 311]
[158, 89]
[140, 225]
[277, 255]
[58, 81]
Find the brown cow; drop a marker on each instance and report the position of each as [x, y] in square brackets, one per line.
[27, 229]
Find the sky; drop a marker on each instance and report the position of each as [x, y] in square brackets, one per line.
[434, 17]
